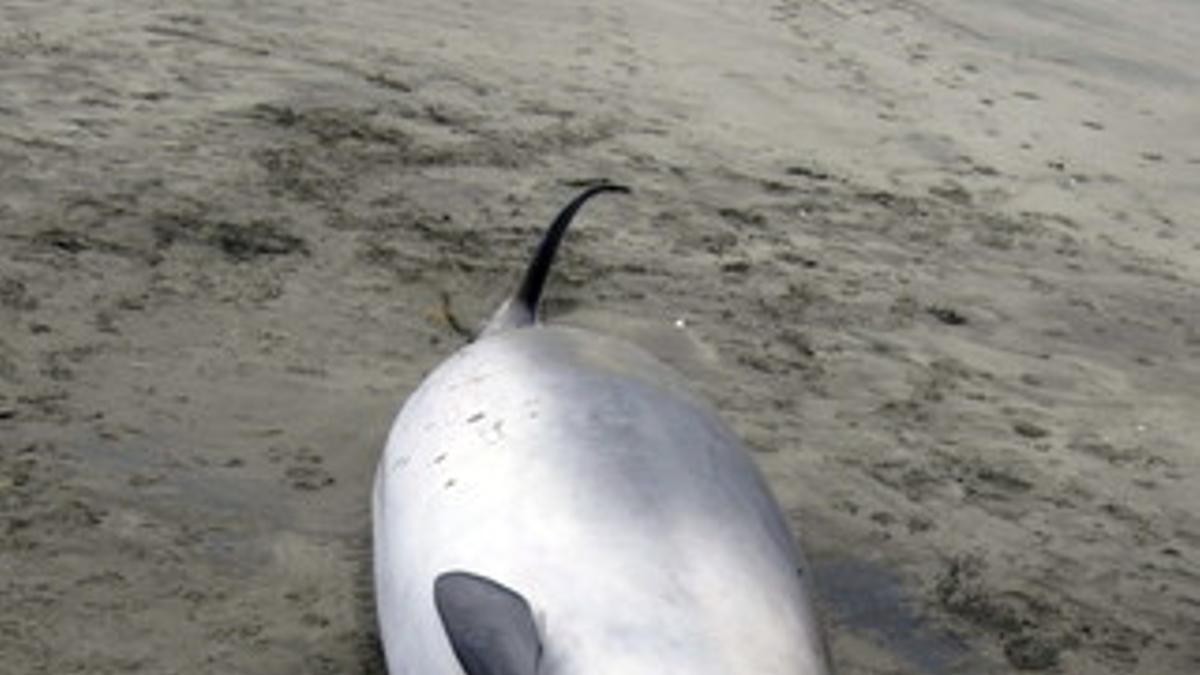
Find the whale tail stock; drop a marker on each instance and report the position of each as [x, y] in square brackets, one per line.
[521, 308]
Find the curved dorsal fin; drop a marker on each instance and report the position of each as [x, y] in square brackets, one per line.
[490, 626]
[521, 308]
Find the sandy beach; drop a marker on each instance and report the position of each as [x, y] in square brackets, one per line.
[937, 262]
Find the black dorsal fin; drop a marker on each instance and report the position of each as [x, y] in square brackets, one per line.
[490, 626]
[521, 308]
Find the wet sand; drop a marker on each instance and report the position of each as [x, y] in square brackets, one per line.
[938, 263]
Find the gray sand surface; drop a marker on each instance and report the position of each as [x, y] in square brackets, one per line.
[937, 261]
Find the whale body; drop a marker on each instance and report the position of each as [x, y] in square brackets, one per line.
[553, 501]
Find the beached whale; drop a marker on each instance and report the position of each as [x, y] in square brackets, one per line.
[552, 501]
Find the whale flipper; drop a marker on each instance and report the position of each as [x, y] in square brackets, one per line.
[490, 626]
[521, 309]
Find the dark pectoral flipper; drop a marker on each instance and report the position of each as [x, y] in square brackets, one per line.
[490, 626]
